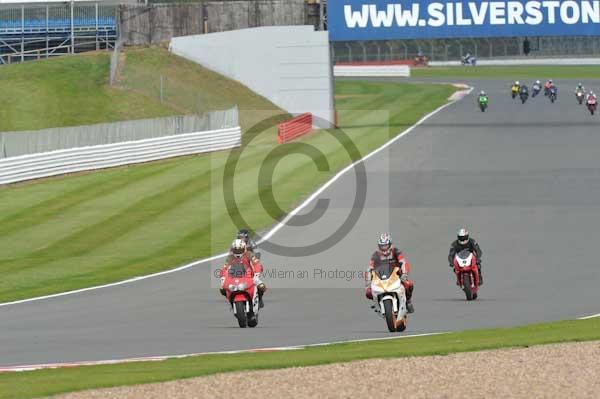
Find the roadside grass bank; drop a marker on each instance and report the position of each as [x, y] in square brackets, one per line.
[151, 83]
[531, 72]
[68, 91]
[186, 86]
[71, 232]
[50, 382]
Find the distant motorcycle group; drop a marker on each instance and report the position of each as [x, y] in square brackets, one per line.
[521, 90]
[550, 91]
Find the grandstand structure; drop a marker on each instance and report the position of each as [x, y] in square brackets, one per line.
[38, 29]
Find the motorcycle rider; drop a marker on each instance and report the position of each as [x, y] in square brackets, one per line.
[515, 87]
[549, 84]
[468, 59]
[238, 251]
[251, 246]
[463, 241]
[537, 86]
[579, 88]
[523, 90]
[388, 253]
[592, 96]
[483, 99]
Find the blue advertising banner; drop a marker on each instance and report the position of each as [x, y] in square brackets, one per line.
[431, 19]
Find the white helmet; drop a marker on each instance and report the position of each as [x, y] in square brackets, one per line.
[549, 80]
[385, 243]
[238, 248]
[537, 82]
[517, 83]
[482, 93]
[463, 236]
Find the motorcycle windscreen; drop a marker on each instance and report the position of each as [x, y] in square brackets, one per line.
[237, 270]
[384, 271]
[464, 254]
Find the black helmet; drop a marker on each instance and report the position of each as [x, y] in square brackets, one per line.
[243, 234]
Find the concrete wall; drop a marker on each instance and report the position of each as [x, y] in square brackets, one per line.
[289, 65]
[151, 24]
[142, 25]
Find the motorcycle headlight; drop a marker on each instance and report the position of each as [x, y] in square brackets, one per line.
[376, 288]
[231, 287]
[392, 284]
[242, 286]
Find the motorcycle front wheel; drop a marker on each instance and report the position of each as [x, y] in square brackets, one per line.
[253, 321]
[467, 286]
[390, 317]
[240, 314]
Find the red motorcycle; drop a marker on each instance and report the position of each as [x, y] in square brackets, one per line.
[467, 274]
[591, 104]
[241, 293]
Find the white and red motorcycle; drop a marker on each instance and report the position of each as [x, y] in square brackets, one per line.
[389, 296]
[467, 273]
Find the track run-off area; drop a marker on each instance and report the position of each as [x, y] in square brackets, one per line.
[525, 179]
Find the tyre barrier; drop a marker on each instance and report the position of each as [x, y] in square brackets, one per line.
[294, 128]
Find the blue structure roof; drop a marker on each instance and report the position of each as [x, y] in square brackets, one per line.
[56, 25]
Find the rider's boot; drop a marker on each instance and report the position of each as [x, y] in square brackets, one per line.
[261, 290]
[480, 275]
[409, 306]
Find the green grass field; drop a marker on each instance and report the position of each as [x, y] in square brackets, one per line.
[187, 86]
[510, 72]
[48, 382]
[71, 91]
[79, 231]
[68, 91]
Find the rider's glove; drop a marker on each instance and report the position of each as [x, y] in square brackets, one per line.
[404, 277]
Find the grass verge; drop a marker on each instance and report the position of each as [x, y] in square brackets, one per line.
[72, 91]
[510, 72]
[71, 232]
[48, 382]
[68, 91]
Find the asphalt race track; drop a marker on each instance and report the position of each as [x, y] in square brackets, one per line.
[524, 179]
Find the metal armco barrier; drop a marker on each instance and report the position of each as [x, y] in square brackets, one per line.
[371, 70]
[294, 128]
[35, 166]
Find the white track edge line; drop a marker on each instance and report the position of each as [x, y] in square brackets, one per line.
[269, 234]
[168, 357]
[589, 317]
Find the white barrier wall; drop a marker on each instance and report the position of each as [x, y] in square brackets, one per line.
[35, 166]
[524, 61]
[372, 70]
[289, 65]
